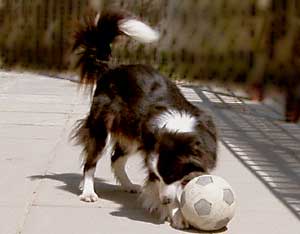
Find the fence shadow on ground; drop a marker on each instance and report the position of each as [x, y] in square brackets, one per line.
[259, 139]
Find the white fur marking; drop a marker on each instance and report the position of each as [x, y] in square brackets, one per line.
[109, 144]
[138, 30]
[97, 18]
[169, 191]
[176, 121]
[150, 196]
[89, 180]
[152, 163]
[177, 219]
[151, 202]
[164, 190]
[88, 193]
[119, 169]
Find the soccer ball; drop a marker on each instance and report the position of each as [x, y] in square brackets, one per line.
[208, 202]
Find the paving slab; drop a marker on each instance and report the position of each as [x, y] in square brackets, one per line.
[78, 220]
[29, 131]
[10, 218]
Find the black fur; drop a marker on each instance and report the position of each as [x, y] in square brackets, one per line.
[92, 43]
[126, 104]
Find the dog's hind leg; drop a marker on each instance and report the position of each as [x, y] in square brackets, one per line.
[97, 142]
[118, 163]
[88, 193]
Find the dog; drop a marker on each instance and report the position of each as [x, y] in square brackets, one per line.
[135, 109]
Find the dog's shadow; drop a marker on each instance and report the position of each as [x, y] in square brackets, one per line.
[129, 205]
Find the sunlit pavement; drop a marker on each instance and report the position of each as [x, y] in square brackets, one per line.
[259, 155]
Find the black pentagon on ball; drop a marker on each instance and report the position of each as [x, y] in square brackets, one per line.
[203, 207]
[228, 196]
[204, 180]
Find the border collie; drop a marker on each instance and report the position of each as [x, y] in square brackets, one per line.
[137, 110]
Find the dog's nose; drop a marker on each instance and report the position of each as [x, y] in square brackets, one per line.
[166, 200]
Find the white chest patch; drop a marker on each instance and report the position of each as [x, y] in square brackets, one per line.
[176, 121]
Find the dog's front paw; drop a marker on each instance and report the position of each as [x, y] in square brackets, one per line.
[89, 197]
[153, 206]
[178, 221]
[133, 188]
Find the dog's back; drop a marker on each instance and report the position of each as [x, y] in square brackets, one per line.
[139, 85]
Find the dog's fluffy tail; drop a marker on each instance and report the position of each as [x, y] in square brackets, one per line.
[94, 38]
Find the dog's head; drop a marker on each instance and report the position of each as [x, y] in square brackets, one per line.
[179, 157]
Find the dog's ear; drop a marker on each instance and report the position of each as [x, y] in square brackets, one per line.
[197, 162]
[196, 145]
[203, 156]
[206, 124]
[206, 139]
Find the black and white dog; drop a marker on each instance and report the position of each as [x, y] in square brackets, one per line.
[136, 109]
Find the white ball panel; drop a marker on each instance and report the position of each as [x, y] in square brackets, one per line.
[208, 203]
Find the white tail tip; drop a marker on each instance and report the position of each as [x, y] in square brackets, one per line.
[138, 30]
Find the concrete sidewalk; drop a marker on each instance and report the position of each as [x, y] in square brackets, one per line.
[40, 168]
